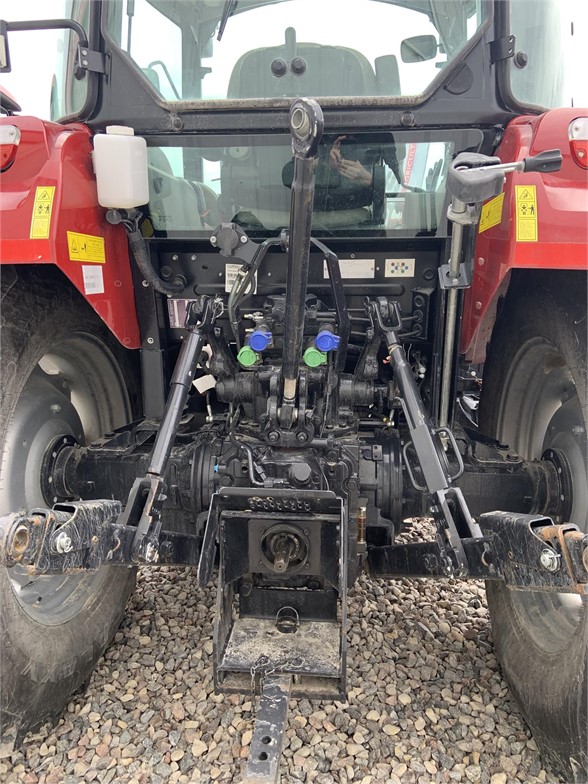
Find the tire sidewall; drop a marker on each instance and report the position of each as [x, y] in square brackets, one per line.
[551, 688]
[43, 665]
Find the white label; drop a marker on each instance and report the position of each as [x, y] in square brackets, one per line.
[176, 309]
[231, 271]
[205, 383]
[354, 268]
[399, 268]
[93, 279]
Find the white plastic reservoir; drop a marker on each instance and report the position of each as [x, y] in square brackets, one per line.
[120, 163]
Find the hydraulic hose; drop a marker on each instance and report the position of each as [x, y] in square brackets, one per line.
[140, 253]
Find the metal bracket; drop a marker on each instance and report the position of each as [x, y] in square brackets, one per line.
[502, 48]
[463, 279]
[83, 536]
[526, 552]
[263, 764]
[88, 60]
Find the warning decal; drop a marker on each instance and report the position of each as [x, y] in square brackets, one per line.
[526, 206]
[85, 247]
[491, 214]
[41, 219]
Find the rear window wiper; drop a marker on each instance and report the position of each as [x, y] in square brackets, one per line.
[228, 9]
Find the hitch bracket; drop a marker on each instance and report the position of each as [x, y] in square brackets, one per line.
[263, 764]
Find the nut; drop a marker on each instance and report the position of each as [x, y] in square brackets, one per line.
[63, 543]
[549, 559]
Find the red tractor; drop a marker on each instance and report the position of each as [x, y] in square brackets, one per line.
[277, 277]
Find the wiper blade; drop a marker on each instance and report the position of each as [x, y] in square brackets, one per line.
[228, 9]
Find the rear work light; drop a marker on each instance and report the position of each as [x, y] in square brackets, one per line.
[578, 136]
[9, 139]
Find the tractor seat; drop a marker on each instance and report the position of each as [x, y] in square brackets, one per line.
[321, 71]
[174, 204]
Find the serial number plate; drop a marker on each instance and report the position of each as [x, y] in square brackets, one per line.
[271, 504]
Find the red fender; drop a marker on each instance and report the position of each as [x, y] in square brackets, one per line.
[56, 156]
[561, 215]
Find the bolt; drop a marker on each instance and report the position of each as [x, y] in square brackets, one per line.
[193, 257]
[144, 283]
[84, 62]
[55, 408]
[150, 341]
[301, 437]
[481, 261]
[63, 543]
[243, 239]
[407, 119]
[213, 240]
[175, 257]
[549, 560]
[273, 437]
[478, 305]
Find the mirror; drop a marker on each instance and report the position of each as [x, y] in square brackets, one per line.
[418, 48]
[4, 54]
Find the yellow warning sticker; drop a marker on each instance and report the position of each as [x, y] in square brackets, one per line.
[526, 215]
[41, 219]
[491, 214]
[85, 247]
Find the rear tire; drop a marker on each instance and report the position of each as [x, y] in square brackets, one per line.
[62, 374]
[534, 398]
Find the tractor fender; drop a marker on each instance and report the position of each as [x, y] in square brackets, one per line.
[50, 214]
[539, 223]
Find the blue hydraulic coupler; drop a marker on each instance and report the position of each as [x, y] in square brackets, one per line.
[259, 339]
[326, 340]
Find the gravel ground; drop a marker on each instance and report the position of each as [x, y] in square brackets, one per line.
[426, 700]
